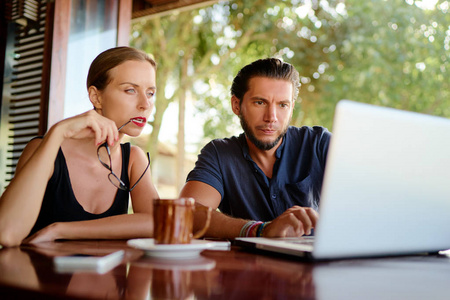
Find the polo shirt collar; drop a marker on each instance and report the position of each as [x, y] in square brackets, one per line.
[243, 141]
[281, 147]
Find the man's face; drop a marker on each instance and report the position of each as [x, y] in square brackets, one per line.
[266, 111]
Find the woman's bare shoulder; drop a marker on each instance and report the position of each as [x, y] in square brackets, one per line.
[136, 153]
[28, 151]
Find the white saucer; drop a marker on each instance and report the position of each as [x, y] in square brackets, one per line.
[171, 251]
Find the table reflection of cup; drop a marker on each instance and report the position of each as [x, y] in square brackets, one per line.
[171, 284]
[174, 220]
[173, 278]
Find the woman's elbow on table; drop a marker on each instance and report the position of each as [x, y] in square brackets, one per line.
[8, 238]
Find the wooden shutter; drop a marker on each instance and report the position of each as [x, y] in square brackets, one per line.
[22, 93]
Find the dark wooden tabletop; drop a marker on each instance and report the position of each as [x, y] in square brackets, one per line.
[28, 272]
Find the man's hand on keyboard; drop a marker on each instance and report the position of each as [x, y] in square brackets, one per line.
[295, 221]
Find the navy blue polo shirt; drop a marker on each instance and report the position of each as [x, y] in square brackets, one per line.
[247, 192]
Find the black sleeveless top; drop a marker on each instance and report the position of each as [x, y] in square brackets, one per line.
[60, 205]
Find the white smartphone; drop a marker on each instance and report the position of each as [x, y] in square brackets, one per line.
[86, 262]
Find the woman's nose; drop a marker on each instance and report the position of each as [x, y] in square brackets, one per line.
[145, 102]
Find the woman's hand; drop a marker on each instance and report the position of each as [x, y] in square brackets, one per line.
[46, 234]
[89, 125]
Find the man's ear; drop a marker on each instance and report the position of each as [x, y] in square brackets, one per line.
[95, 97]
[236, 105]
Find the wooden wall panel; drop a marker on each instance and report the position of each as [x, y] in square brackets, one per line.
[124, 23]
[60, 38]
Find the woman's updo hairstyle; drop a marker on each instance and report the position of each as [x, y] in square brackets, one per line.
[98, 74]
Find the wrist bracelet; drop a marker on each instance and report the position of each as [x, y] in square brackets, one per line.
[251, 228]
[244, 228]
[247, 229]
[261, 227]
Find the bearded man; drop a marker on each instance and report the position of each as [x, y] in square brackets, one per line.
[266, 181]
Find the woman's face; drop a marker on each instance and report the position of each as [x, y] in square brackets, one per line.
[129, 95]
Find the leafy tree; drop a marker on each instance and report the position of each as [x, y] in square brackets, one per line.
[394, 54]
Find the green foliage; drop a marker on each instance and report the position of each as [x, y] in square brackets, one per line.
[394, 54]
[390, 53]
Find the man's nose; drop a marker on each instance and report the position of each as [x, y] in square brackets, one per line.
[271, 113]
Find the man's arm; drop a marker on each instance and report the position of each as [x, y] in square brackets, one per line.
[221, 225]
[296, 221]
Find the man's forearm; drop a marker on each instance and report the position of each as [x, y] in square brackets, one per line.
[221, 226]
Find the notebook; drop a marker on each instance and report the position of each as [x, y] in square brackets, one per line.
[386, 188]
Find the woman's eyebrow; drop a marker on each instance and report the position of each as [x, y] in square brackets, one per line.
[127, 82]
[136, 85]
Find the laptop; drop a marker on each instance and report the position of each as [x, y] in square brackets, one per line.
[386, 188]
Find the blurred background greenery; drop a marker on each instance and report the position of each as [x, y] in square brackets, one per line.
[393, 53]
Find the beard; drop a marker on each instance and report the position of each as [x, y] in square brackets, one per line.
[258, 143]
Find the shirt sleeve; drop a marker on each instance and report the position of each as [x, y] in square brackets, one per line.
[323, 145]
[207, 168]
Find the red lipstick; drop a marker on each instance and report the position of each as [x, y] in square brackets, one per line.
[139, 121]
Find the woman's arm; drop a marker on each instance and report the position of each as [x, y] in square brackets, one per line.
[126, 226]
[21, 202]
[144, 193]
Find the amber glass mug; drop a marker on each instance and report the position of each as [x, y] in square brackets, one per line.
[174, 220]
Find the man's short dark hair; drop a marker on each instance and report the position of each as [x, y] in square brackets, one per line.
[269, 68]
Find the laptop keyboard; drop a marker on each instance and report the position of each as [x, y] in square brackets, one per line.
[306, 240]
[303, 241]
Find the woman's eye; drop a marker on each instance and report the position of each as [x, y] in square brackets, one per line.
[150, 94]
[130, 90]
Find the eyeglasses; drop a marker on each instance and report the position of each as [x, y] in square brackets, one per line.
[113, 178]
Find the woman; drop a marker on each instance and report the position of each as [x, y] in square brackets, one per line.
[67, 183]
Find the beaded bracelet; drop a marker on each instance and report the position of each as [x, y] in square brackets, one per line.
[248, 228]
[261, 228]
[244, 228]
[251, 228]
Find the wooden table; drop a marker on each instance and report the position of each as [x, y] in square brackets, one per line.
[28, 273]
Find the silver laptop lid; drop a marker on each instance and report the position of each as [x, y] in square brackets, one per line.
[387, 184]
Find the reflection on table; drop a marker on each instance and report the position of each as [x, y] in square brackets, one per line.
[28, 273]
